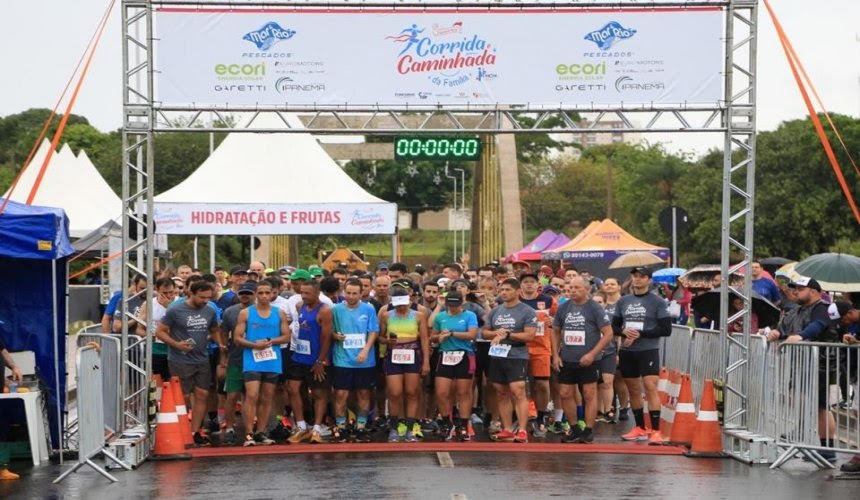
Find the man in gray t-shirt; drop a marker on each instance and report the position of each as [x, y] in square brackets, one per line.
[510, 327]
[641, 319]
[580, 331]
[234, 381]
[186, 328]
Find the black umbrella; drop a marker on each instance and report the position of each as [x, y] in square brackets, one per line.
[708, 304]
[771, 264]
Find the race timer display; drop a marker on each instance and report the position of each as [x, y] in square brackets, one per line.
[437, 148]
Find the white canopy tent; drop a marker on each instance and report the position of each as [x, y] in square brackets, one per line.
[271, 183]
[72, 183]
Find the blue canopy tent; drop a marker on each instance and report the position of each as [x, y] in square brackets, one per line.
[34, 246]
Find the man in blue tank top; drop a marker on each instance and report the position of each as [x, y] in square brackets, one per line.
[260, 330]
[309, 362]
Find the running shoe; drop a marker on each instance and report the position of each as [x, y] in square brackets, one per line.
[852, 465]
[378, 423]
[495, 427]
[655, 439]
[428, 425]
[416, 431]
[410, 436]
[212, 426]
[299, 435]
[262, 438]
[503, 435]
[401, 429]
[229, 437]
[586, 436]
[362, 436]
[624, 414]
[249, 440]
[470, 430]
[539, 430]
[452, 433]
[572, 435]
[521, 437]
[476, 420]
[601, 417]
[336, 435]
[325, 432]
[637, 434]
[464, 433]
[317, 438]
[611, 417]
[393, 436]
[565, 427]
[201, 439]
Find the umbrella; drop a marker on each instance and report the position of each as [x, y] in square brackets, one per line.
[708, 304]
[835, 272]
[635, 259]
[701, 276]
[771, 264]
[668, 275]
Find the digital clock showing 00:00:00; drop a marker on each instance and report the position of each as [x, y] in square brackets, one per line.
[437, 148]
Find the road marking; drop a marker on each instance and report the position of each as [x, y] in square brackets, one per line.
[445, 461]
[458, 496]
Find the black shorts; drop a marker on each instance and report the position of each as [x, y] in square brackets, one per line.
[635, 364]
[299, 371]
[262, 377]
[506, 371]
[482, 358]
[465, 369]
[573, 374]
[350, 379]
[159, 366]
[824, 390]
[607, 364]
[430, 378]
[285, 363]
[192, 375]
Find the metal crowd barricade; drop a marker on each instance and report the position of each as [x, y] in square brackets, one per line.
[91, 430]
[810, 376]
[676, 349]
[110, 366]
[704, 359]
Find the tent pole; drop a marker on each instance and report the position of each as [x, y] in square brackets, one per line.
[211, 253]
[250, 249]
[394, 245]
[195, 266]
[56, 358]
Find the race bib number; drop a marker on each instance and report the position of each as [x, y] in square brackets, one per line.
[403, 356]
[635, 325]
[539, 332]
[500, 350]
[267, 354]
[353, 341]
[574, 337]
[300, 346]
[451, 358]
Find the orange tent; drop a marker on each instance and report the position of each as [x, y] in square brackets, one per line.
[602, 240]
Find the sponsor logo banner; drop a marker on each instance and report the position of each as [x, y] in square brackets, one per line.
[364, 58]
[321, 218]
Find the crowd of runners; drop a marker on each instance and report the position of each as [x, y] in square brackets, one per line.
[308, 355]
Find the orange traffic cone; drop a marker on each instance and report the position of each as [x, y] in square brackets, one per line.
[707, 438]
[667, 409]
[169, 444]
[685, 415]
[181, 411]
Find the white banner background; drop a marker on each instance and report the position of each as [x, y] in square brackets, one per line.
[323, 218]
[548, 58]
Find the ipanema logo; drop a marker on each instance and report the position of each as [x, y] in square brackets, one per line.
[270, 34]
[606, 36]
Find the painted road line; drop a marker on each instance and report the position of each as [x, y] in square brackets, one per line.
[445, 460]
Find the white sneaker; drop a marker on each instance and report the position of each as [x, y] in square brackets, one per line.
[249, 441]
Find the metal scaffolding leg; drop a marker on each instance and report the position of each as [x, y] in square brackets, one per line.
[738, 200]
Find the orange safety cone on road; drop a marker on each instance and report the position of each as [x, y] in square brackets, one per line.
[707, 438]
[667, 408]
[169, 444]
[685, 415]
[181, 411]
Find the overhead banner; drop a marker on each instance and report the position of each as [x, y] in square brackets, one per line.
[547, 58]
[240, 219]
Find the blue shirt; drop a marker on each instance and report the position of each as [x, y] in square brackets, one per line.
[113, 303]
[357, 324]
[459, 323]
[260, 328]
[767, 289]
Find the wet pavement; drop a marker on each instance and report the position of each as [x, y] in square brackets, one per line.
[426, 474]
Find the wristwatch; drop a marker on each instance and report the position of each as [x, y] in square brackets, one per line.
[320, 362]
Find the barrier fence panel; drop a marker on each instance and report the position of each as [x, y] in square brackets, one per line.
[705, 362]
[761, 374]
[676, 349]
[91, 429]
[110, 362]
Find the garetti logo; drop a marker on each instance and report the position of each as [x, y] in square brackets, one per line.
[270, 34]
[608, 35]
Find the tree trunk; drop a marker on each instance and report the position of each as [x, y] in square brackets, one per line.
[413, 223]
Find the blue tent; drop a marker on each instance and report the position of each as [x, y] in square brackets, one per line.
[34, 246]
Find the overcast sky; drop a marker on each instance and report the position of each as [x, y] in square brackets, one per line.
[43, 39]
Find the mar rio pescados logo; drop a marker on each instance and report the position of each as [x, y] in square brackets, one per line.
[268, 35]
[609, 35]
